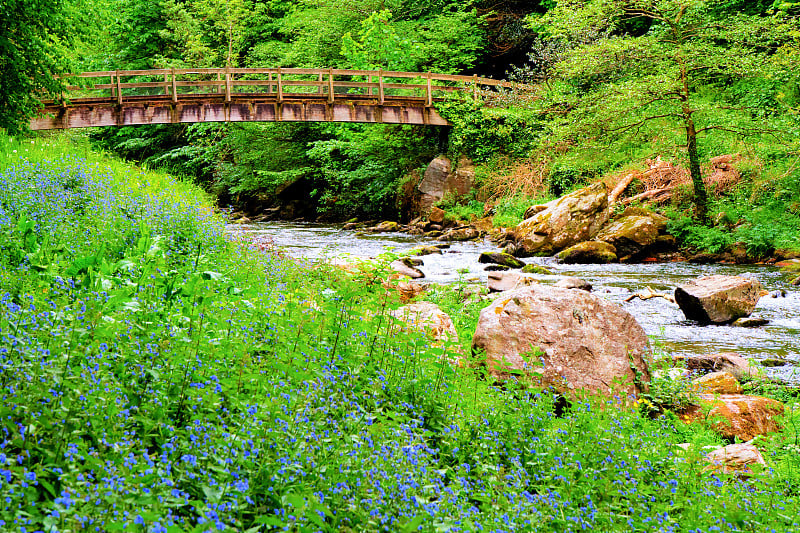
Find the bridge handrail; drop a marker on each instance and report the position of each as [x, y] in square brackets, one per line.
[325, 84]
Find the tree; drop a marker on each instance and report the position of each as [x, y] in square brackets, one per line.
[35, 38]
[680, 72]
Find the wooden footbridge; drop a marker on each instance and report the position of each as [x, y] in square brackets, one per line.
[170, 96]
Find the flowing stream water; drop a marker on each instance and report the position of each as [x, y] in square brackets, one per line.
[663, 321]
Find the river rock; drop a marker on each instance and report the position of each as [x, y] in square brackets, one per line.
[496, 268]
[630, 235]
[506, 281]
[574, 218]
[405, 270]
[730, 362]
[574, 283]
[796, 282]
[735, 459]
[536, 269]
[772, 362]
[426, 317]
[500, 259]
[718, 299]
[750, 322]
[436, 216]
[407, 290]
[743, 417]
[387, 226]
[585, 342]
[467, 233]
[412, 261]
[717, 383]
[588, 252]
[791, 265]
[425, 250]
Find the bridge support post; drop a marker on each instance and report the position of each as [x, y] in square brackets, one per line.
[380, 87]
[330, 86]
[174, 88]
[280, 86]
[119, 90]
[227, 85]
[429, 91]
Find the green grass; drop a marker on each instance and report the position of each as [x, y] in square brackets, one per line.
[156, 376]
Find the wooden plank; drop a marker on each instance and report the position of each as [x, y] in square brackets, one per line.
[227, 85]
[331, 92]
[174, 88]
[143, 85]
[357, 84]
[157, 72]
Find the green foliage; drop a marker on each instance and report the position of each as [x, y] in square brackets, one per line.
[361, 166]
[35, 39]
[192, 383]
[712, 239]
[378, 46]
[484, 132]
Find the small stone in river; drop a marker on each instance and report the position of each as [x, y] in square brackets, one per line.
[500, 259]
[773, 362]
[778, 294]
[750, 322]
[796, 282]
[412, 261]
[574, 283]
[425, 250]
[535, 269]
[405, 270]
[496, 268]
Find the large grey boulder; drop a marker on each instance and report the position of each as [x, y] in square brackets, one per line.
[718, 299]
[441, 178]
[585, 342]
[574, 218]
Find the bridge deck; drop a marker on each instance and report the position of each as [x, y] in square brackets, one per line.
[255, 95]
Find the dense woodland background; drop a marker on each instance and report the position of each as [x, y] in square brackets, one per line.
[616, 82]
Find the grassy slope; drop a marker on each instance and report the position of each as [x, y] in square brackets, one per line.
[158, 377]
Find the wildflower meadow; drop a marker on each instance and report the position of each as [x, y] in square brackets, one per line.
[159, 376]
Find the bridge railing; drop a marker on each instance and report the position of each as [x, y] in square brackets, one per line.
[278, 83]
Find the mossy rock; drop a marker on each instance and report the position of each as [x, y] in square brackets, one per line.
[425, 250]
[589, 252]
[500, 258]
[536, 269]
[790, 265]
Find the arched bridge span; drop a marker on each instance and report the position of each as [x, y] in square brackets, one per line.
[170, 96]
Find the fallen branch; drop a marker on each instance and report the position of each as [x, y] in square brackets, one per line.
[649, 195]
[650, 293]
[620, 188]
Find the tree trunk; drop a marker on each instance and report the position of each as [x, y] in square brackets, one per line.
[700, 194]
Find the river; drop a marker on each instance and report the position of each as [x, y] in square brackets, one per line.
[663, 321]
